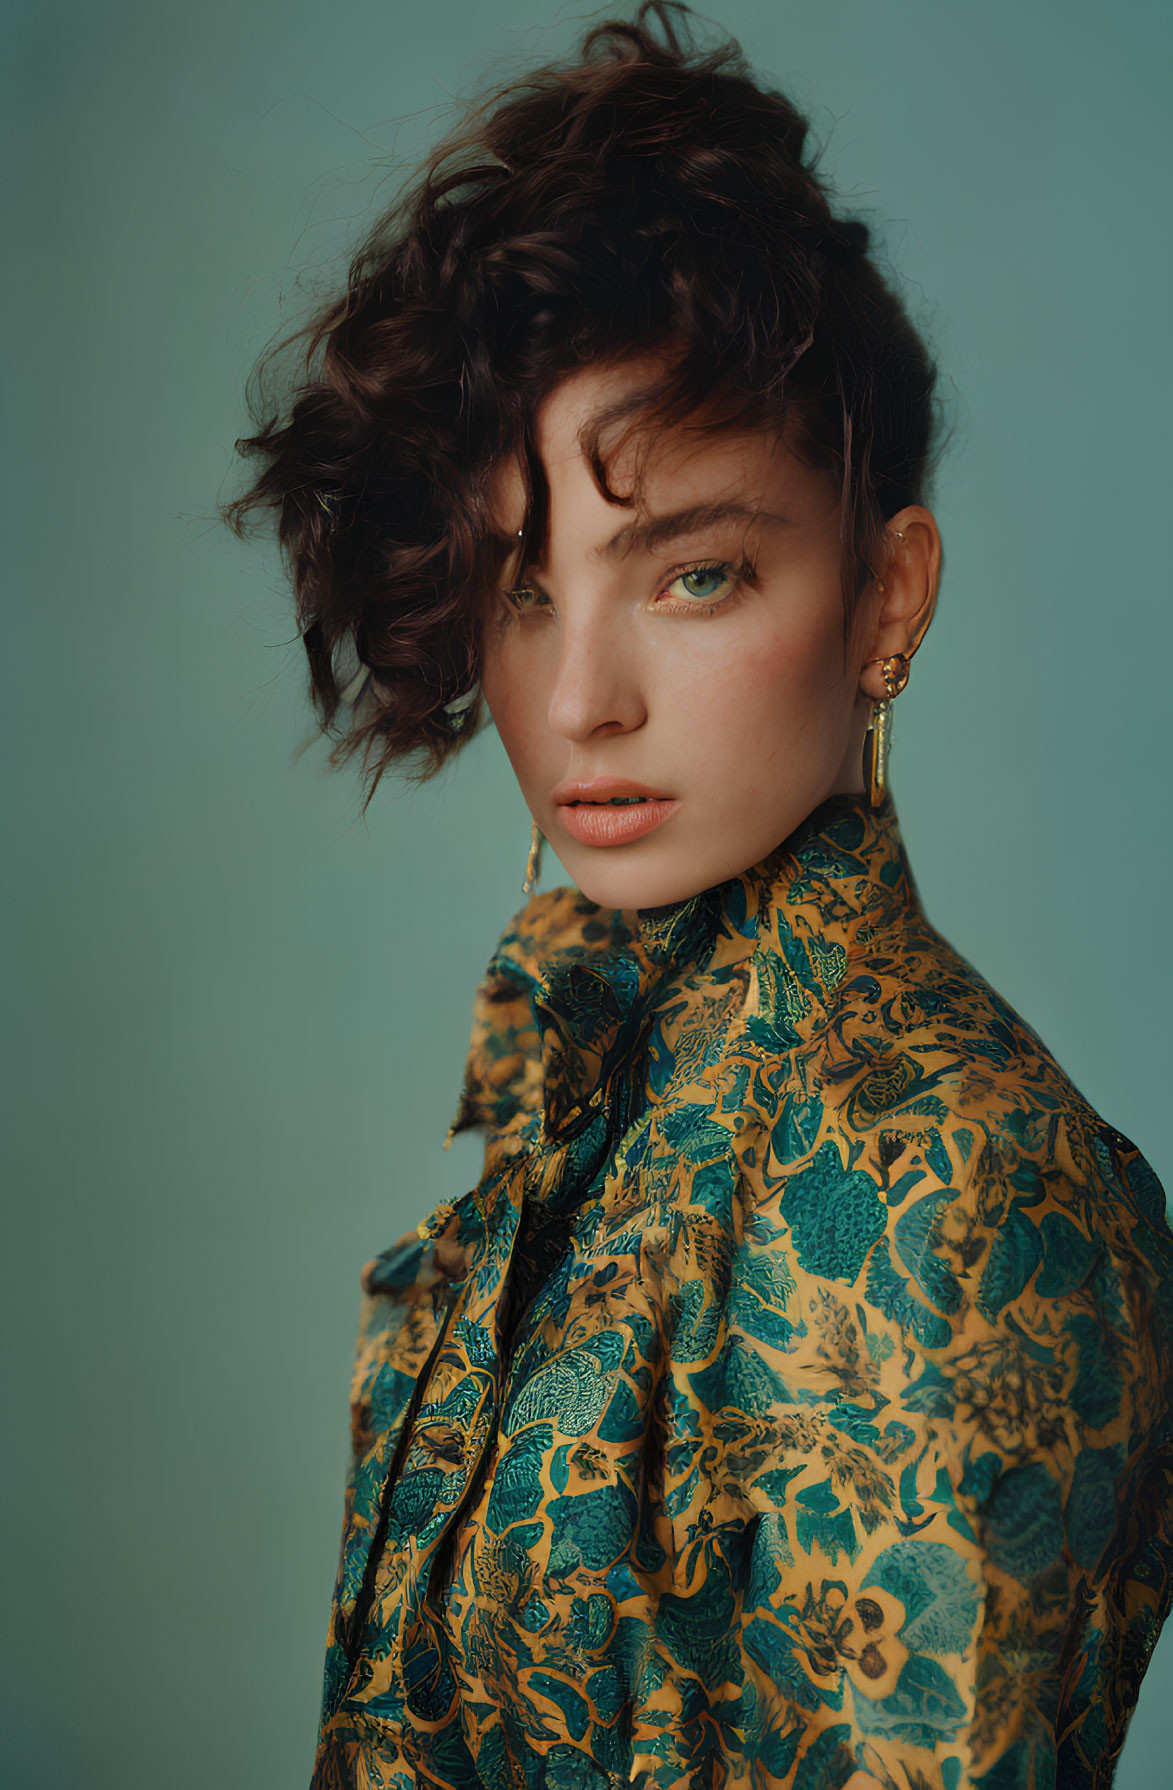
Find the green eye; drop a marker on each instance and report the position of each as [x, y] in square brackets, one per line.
[523, 597]
[704, 583]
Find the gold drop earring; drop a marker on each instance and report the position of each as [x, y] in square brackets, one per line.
[533, 863]
[877, 741]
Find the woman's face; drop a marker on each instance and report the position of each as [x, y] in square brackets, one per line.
[691, 647]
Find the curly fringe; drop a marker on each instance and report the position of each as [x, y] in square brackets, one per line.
[646, 196]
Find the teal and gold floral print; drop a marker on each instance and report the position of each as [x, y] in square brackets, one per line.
[792, 1398]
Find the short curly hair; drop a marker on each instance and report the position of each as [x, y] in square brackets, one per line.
[646, 196]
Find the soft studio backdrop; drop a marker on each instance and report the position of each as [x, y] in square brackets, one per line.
[243, 1012]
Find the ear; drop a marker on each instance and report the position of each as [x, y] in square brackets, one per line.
[903, 596]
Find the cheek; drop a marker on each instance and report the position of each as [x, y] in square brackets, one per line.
[511, 697]
[769, 694]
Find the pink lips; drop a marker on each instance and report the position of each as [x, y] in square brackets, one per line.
[587, 813]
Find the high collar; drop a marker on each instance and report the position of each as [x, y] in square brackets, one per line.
[572, 987]
[807, 902]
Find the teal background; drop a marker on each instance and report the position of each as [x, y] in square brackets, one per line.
[238, 1012]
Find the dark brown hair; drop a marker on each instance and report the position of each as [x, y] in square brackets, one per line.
[645, 196]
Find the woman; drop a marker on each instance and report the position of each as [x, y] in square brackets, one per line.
[789, 1403]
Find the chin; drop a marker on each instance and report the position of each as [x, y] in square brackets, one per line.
[632, 884]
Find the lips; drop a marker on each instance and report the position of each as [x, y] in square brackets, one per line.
[611, 812]
[605, 791]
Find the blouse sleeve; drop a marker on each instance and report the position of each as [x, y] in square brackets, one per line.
[398, 1326]
[918, 1470]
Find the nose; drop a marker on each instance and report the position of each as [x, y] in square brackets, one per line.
[597, 685]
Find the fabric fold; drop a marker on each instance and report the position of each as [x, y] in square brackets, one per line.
[804, 1341]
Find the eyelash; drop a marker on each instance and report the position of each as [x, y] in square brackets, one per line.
[740, 576]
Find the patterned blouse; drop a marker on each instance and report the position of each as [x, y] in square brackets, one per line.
[792, 1398]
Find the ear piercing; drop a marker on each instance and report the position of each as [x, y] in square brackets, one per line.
[899, 534]
[895, 672]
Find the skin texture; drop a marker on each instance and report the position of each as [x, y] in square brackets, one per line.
[610, 660]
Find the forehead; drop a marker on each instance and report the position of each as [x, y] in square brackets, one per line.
[657, 467]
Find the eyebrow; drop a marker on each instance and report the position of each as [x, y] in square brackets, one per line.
[650, 532]
[654, 531]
